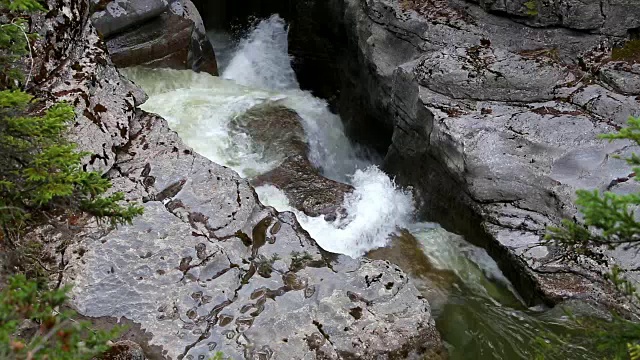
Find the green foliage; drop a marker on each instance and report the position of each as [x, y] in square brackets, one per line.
[14, 39]
[299, 260]
[629, 52]
[218, 356]
[28, 6]
[41, 181]
[264, 265]
[55, 335]
[532, 8]
[41, 171]
[609, 222]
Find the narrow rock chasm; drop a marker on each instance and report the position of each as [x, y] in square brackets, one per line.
[324, 58]
[491, 135]
[371, 75]
[327, 61]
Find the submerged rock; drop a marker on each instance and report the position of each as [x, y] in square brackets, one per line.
[278, 131]
[208, 268]
[405, 251]
[306, 189]
[275, 129]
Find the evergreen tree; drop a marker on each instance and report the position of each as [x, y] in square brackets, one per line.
[41, 180]
[40, 171]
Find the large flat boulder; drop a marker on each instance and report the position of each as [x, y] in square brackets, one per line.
[112, 17]
[156, 43]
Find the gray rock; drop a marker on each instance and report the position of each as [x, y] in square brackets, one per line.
[593, 15]
[275, 130]
[622, 77]
[306, 188]
[103, 99]
[495, 131]
[278, 133]
[157, 43]
[606, 105]
[201, 54]
[484, 73]
[207, 262]
[118, 15]
[159, 33]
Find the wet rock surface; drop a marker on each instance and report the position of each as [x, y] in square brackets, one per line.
[208, 262]
[279, 132]
[157, 33]
[207, 267]
[276, 129]
[496, 134]
[405, 251]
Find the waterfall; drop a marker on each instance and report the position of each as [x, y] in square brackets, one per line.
[262, 59]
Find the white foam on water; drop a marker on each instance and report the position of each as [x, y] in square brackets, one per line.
[472, 264]
[262, 59]
[201, 109]
[376, 209]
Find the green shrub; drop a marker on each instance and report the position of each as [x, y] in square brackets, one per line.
[41, 182]
[50, 333]
[532, 8]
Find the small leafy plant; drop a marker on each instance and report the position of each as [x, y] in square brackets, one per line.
[532, 8]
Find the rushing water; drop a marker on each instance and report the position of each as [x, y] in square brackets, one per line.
[478, 313]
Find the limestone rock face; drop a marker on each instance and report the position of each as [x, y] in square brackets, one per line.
[622, 77]
[495, 120]
[158, 33]
[207, 267]
[612, 18]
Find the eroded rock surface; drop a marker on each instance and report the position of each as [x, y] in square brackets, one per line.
[496, 119]
[207, 267]
[158, 33]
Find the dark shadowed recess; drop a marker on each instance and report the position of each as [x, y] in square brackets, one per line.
[325, 60]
